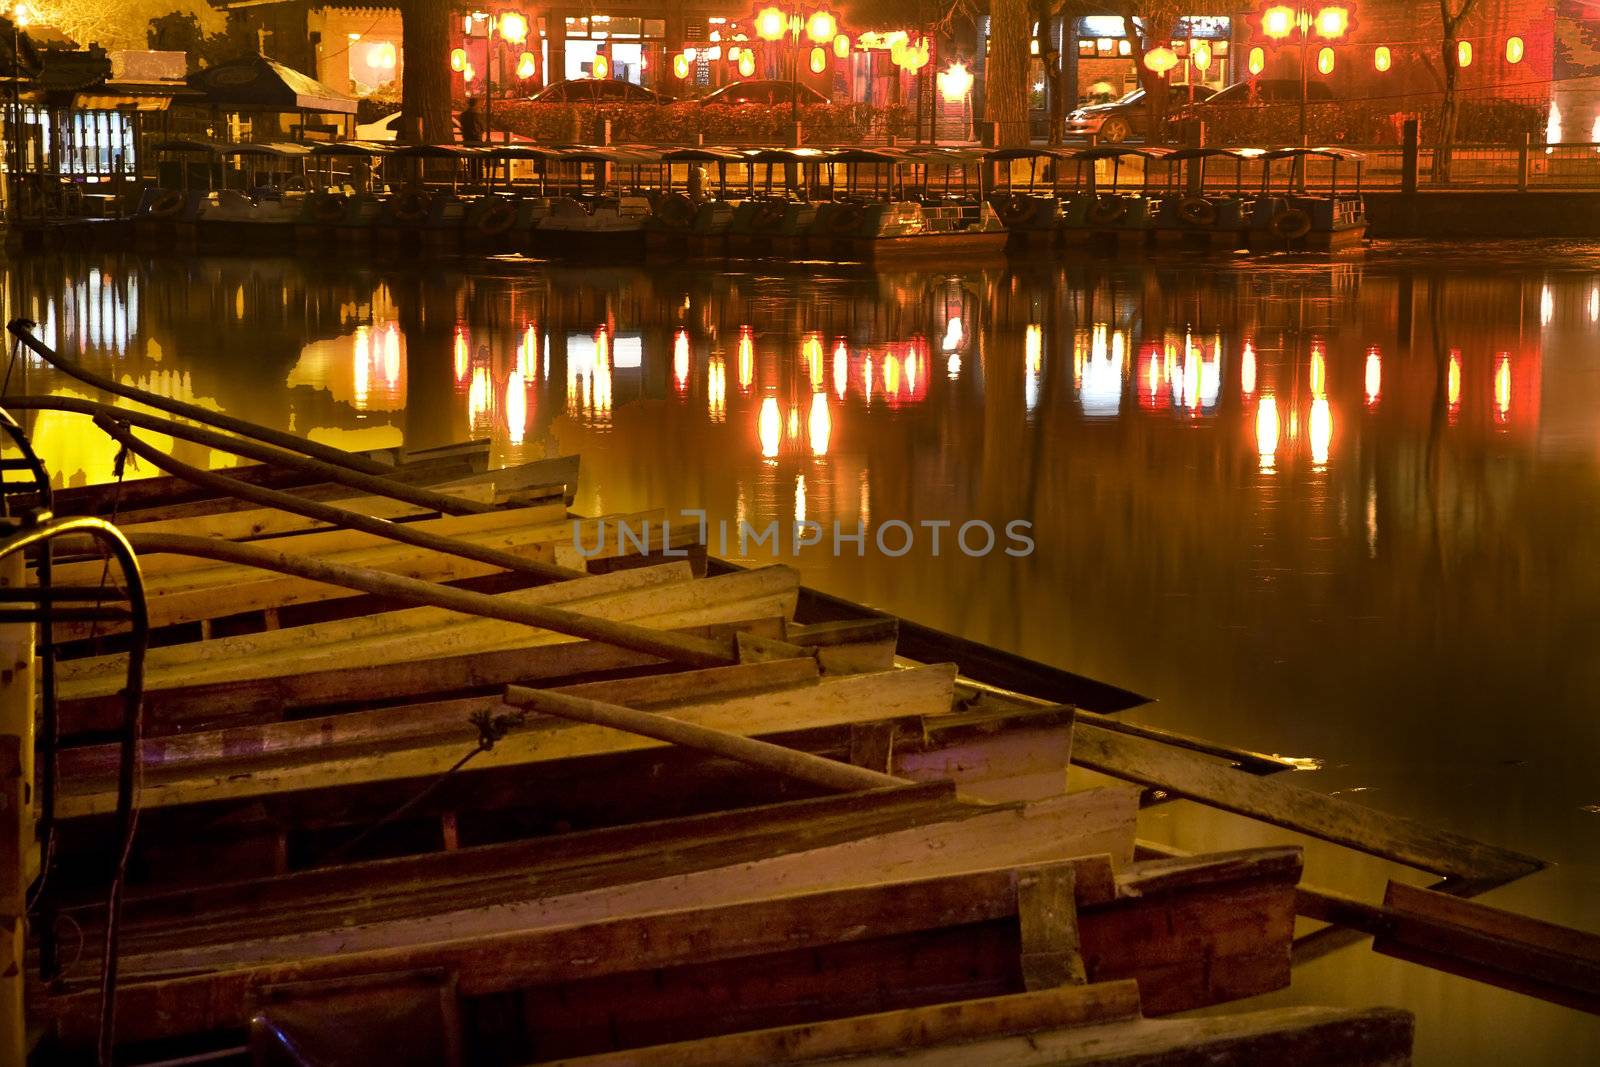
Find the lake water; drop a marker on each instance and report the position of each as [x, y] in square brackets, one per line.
[1342, 510]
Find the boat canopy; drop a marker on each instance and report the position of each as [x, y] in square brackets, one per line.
[1343, 155]
[785, 155]
[438, 151]
[1005, 155]
[1181, 155]
[878, 156]
[1119, 151]
[702, 154]
[281, 150]
[351, 148]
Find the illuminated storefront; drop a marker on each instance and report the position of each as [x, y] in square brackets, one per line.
[1104, 63]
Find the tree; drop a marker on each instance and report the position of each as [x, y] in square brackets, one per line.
[1146, 24]
[113, 23]
[425, 102]
[1005, 75]
[181, 31]
[1452, 13]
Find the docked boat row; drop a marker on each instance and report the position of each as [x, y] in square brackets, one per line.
[709, 203]
[420, 783]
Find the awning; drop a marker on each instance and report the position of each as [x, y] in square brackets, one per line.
[255, 83]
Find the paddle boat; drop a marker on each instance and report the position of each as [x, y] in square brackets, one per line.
[344, 201]
[692, 221]
[777, 212]
[600, 217]
[1033, 211]
[881, 215]
[1116, 216]
[1320, 220]
[1197, 216]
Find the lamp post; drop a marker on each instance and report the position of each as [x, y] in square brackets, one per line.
[774, 24]
[508, 26]
[1331, 22]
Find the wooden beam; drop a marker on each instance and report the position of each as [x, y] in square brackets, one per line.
[1544, 960]
[891, 1032]
[773, 758]
[1047, 907]
[1304, 1037]
[1195, 777]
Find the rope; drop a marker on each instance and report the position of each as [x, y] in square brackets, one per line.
[491, 727]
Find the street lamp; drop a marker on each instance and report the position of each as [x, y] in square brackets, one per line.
[1329, 22]
[820, 27]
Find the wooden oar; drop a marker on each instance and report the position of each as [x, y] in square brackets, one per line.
[378, 485]
[22, 330]
[316, 509]
[678, 648]
[804, 766]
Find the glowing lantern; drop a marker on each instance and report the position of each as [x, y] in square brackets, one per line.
[819, 60]
[1325, 61]
[469, 73]
[381, 56]
[1278, 22]
[601, 69]
[513, 27]
[771, 24]
[1382, 60]
[680, 66]
[955, 82]
[458, 59]
[841, 46]
[1257, 61]
[1200, 55]
[747, 63]
[1332, 22]
[821, 27]
[1463, 53]
[897, 52]
[1514, 50]
[1161, 59]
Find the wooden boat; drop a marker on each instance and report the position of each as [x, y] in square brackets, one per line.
[1032, 211]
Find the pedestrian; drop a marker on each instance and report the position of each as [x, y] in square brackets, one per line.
[471, 123]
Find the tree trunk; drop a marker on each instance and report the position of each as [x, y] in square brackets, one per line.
[1005, 83]
[425, 104]
[1451, 21]
[1153, 84]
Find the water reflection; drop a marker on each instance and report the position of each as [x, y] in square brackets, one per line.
[1336, 510]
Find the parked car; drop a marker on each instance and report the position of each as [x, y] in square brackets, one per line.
[1117, 120]
[763, 91]
[388, 128]
[1256, 92]
[598, 91]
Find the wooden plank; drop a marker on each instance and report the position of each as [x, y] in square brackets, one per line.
[1277, 802]
[889, 1032]
[216, 592]
[1544, 960]
[1303, 1037]
[247, 523]
[961, 840]
[852, 698]
[173, 569]
[237, 747]
[428, 626]
[269, 699]
[653, 597]
[1048, 911]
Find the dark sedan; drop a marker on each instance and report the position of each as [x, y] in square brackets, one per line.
[598, 91]
[1118, 120]
[763, 91]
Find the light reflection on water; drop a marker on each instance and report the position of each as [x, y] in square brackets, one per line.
[1343, 512]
